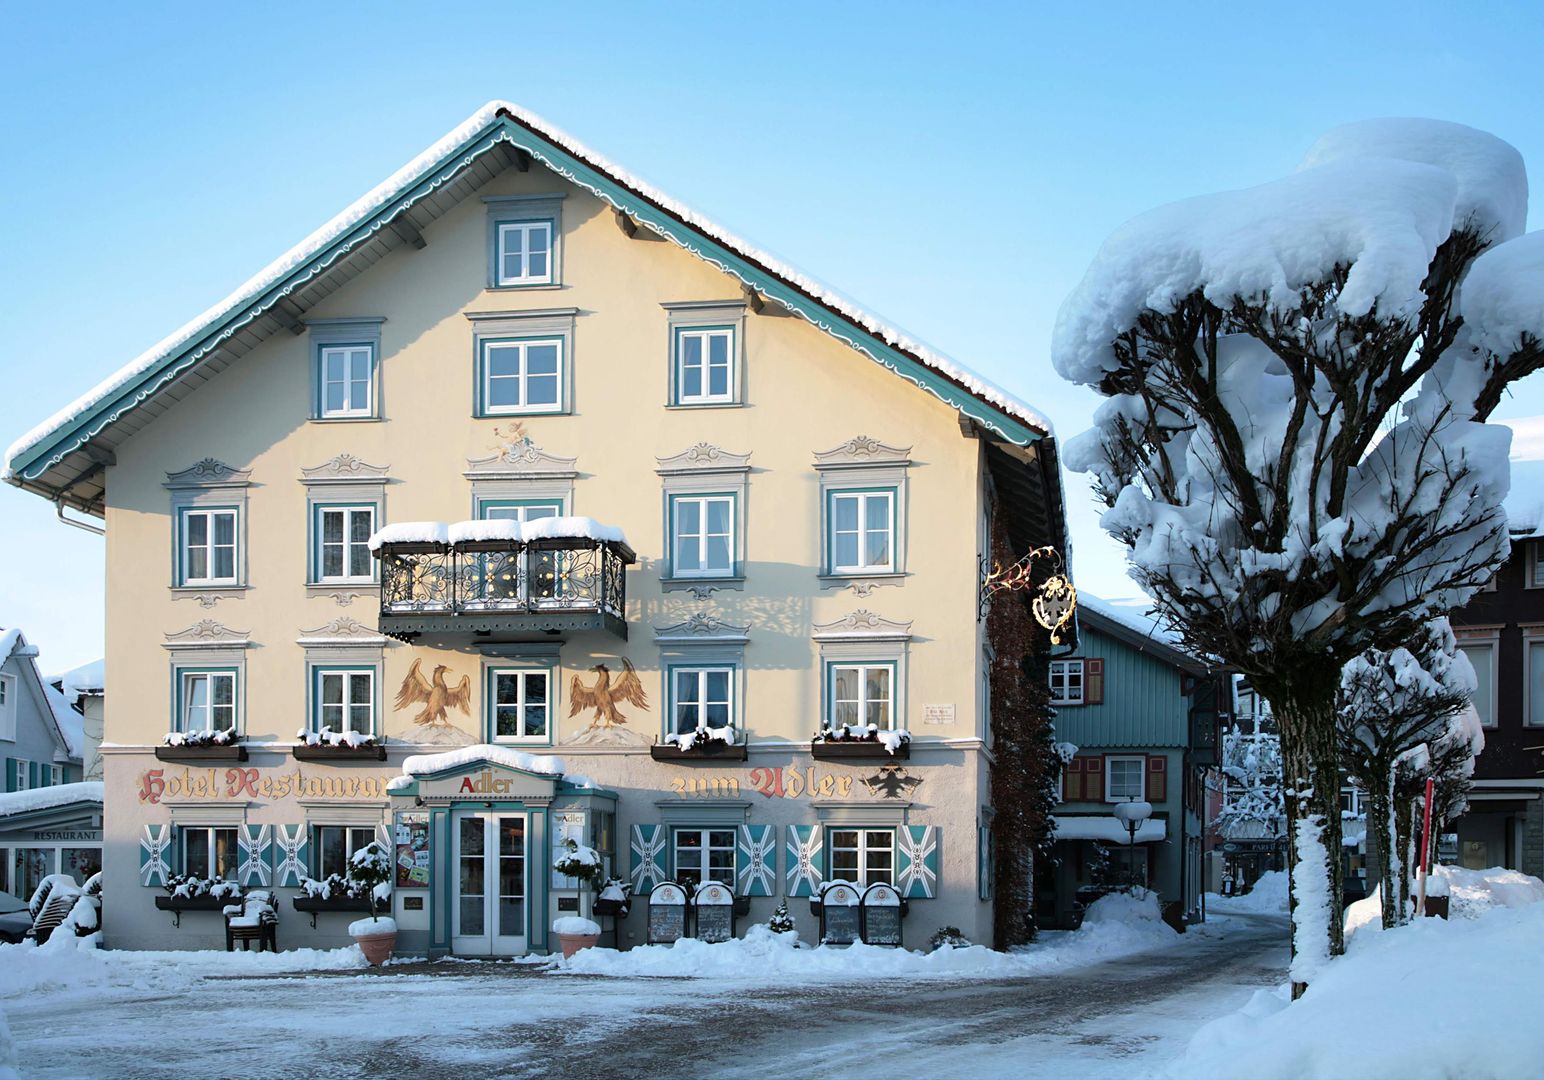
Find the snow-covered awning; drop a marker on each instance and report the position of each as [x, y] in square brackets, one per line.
[1108, 830]
[482, 754]
[24, 802]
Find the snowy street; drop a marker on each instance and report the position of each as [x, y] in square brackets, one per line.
[1120, 1017]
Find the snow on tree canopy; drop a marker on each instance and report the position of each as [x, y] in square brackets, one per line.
[1502, 298]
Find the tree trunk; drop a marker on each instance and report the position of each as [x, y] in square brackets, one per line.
[1382, 832]
[1304, 706]
[1403, 820]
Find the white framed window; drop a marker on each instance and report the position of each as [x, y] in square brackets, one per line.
[701, 697]
[861, 694]
[8, 708]
[520, 376]
[56, 775]
[863, 857]
[343, 544]
[702, 540]
[208, 554]
[705, 365]
[1535, 570]
[1533, 711]
[346, 381]
[345, 700]
[208, 701]
[862, 527]
[521, 704]
[704, 855]
[1125, 778]
[209, 851]
[1482, 655]
[21, 771]
[336, 844]
[523, 253]
[1066, 682]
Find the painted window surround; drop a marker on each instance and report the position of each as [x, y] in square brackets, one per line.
[342, 481]
[548, 324]
[866, 639]
[521, 473]
[726, 315]
[344, 644]
[705, 469]
[863, 464]
[521, 656]
[317, 713]
[703, 642]
[507, 209]
[208, 485]
[207, 646]
[364, 330]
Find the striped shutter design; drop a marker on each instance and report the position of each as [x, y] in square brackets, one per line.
[756, 861]
[1093, 682]
[806, 859]
[1093, 778]
[646, 862]
[155, 855]
[1157, 778]
[917, 873]
[255, 844]
[292, 855]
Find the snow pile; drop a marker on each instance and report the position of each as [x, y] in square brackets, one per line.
[483, 753]
[21, 802]
[201, 737]
[384, 924]
[891, 740]
[85, 680]
[1472, 893]
[410, 532]
[576, 926]
[1267, 897]
[1367, 1012]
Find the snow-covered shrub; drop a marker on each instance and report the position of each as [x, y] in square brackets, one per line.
[201, 737]
[578, 861]
[370, 868]
[781, 922]
[948, 935]
[872, 733]
[685, 740]
[327, 737]
[1251, 766]
[188, 887]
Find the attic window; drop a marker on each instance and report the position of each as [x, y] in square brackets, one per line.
[524, 253]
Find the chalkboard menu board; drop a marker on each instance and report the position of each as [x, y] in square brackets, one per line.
[715, 913]
[412, 844]
[881, 925]
[667, 914]
[839, 915]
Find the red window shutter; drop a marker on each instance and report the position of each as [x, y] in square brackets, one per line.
[1157, 778]
[1072, 781]
[1093, 682]
[1093, 778]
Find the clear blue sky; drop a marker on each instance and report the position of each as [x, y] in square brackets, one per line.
[952, 166]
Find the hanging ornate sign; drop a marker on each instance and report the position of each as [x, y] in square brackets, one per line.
[1056, 598]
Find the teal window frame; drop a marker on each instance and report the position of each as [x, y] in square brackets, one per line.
[180, 548]
[497, 279]
[481, 407]
[317, 511]
[732, 679]
[318, 671]
[490, 701]
[832, 494]
[677, 367]
[828, 714]
[673, 499]
[180, 677]
[862, 851]
[319, 382]
[485, 504]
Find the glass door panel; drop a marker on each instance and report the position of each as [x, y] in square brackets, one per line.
[471, 898]
[511, 877]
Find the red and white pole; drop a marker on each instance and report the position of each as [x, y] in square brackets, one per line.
[1420, 904]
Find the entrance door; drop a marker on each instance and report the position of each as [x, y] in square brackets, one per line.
[489, 908]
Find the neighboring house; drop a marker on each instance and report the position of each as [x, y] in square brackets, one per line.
[1248, 836]
[85, 689]
[520, 465]
[49, 822]
[1501, 630]
[1143, 716]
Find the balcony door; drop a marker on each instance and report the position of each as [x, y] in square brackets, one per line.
[539, 570]
[491, 883]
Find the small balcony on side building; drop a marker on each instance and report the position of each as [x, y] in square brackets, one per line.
[502, 580]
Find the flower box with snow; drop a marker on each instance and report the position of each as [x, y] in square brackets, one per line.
[860, 742]
[186, 893]
[703, 744]
[193, 903]
[205, 745]
[332, 746]
[315, 904]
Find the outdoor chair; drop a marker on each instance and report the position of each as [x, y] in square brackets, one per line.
[51, 904]
[254, 919]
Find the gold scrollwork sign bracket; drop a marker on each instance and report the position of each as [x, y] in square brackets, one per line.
[1055, 598]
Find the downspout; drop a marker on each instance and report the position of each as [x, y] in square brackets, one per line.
[88, 527]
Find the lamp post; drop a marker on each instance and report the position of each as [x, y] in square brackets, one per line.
[1131, 814]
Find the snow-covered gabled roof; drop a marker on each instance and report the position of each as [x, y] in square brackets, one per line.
[267, 293]
[1128, 620]
[88, 680]
[67, 727]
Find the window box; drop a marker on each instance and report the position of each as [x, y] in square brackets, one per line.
[340, 752]
[231, 752]
[857, 750]
[701, 750]
[316, 904]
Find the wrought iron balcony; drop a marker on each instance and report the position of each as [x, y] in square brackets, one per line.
[504, 588]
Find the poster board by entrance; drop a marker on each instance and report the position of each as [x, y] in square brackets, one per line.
[667, 913]
[412, 850]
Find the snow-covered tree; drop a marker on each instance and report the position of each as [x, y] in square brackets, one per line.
[1397, 709]
[1280, 505]
[1251, 767]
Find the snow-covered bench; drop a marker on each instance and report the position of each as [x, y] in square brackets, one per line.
[256, 918]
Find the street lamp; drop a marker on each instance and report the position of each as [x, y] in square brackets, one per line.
[1131, 814]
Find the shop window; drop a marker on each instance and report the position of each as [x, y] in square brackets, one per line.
[704, 855]
[862, 856]
[29, 866]
[1124, 778]
[209, 852]
[335, 846]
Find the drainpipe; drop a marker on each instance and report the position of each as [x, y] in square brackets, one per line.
[87, 526]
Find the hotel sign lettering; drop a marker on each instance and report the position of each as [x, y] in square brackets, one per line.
[156, 785]
[776, 782]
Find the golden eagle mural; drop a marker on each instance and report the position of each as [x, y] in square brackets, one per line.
[604, 695]
[436, 696]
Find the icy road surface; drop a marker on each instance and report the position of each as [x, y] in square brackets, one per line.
[1116, 1019]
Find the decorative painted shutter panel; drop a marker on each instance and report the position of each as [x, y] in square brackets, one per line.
[32, 775]
[1157, 778]
[10, 773]
[1093, 778]
[155, 842]
[255, 844]
[756, 861]
[647, 858]
[1072, 781]
[918, 865]
[806, 859]
[1093, 682]
[292, 855]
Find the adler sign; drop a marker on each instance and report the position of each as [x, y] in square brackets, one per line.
[487, 784]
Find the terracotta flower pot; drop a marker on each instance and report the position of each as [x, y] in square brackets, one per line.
[376, 947]
[572, 943]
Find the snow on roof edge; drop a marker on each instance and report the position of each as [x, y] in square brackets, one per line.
[183, 337]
